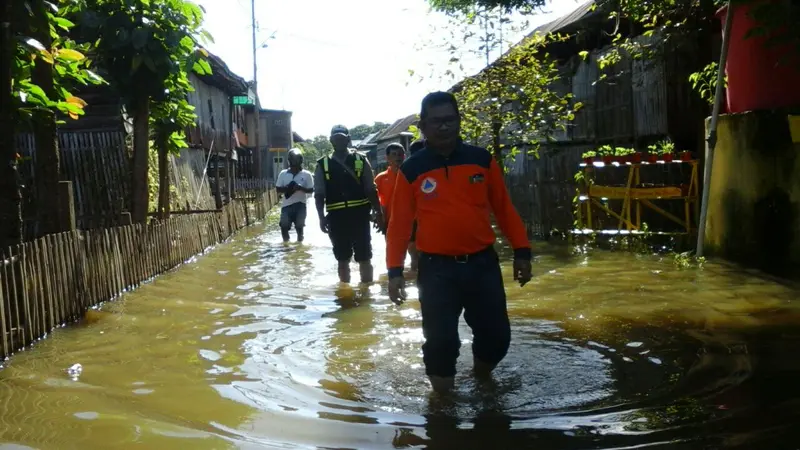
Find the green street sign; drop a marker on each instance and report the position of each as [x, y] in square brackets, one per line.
[242, 100]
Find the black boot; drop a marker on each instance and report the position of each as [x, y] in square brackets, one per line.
[285, 234]
[299, 234]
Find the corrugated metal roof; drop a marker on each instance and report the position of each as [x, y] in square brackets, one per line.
[398, 127]
[368, 141]
[580, 13]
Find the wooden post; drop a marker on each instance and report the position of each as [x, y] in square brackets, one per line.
[217, 187]
[66, 210]
[231, 168]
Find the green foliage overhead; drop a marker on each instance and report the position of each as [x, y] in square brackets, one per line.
[671, 22]
[359, 132]
[463, 6]
[313, 150]
[147, 48]
[71, 67]
[513, 100]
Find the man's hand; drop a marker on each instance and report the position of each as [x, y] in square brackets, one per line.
[323, 224]
[522, 271]
[397, 290]
[380, 222]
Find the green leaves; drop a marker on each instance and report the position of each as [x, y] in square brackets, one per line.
[704, 82]
[202, 67]
[62, 23]
[67, 54]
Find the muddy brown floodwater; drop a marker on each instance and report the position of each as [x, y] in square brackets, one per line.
[255, 345]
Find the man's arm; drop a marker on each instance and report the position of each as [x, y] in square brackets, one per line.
[280, 184]
[308, 182]
[319, 190]
[368, 181]
[403, 209]
[506, 215]
[381, 193]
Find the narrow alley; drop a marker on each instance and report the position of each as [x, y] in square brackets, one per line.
[254, 345]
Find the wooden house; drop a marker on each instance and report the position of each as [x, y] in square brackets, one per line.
[637, 103]
[274, 140]
[95, 151]
[217, 130]
[395, 133]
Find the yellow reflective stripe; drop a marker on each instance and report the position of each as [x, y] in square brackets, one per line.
[347, 204]
[325, 168]
[359, 166]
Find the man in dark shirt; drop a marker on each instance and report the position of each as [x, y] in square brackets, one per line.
[344, 186]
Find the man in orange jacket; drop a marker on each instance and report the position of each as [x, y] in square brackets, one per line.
[451, 189]
[385, 181]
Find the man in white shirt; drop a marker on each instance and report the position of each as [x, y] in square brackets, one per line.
[295, 184]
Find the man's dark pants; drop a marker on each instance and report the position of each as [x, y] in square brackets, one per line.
[350, 231]
[447, 285]
[293, 214]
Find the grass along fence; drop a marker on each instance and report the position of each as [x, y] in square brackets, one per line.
[52, 281]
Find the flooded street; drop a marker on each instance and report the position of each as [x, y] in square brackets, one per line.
[256, 345]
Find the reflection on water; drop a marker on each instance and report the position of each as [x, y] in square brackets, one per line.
[257, 345]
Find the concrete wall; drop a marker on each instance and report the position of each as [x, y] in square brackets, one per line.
[753, 214]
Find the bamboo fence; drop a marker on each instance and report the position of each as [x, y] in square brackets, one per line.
[50, 282]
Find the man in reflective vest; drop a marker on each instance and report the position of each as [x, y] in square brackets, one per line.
[344, 187]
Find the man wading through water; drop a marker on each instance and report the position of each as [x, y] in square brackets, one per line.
[294, 183]
[344, 186]
[451, 188]
[395, 154]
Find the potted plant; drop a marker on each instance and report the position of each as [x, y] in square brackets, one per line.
[623, 154]
[652, 154]
[636, 158]
[686, 156]
[606, 154]
[667, 150]
[588, 157]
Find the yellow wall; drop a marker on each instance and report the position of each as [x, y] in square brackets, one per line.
[753, 215]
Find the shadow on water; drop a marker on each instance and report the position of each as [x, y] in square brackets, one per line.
[258, 345]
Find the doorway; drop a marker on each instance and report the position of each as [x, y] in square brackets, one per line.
[277, 166]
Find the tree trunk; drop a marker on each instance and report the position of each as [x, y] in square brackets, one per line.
[47, 173]
[10, 196]
[497, 127]
[141, 149]
[163, 176]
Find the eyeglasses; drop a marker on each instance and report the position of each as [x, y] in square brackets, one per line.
[438, 122]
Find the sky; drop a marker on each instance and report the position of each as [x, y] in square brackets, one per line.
[347, 61]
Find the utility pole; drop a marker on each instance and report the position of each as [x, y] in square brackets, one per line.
[257, 150]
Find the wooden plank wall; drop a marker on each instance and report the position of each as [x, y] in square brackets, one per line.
[632, 107]
[96, 162]
[52, 281]
[98, 165]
